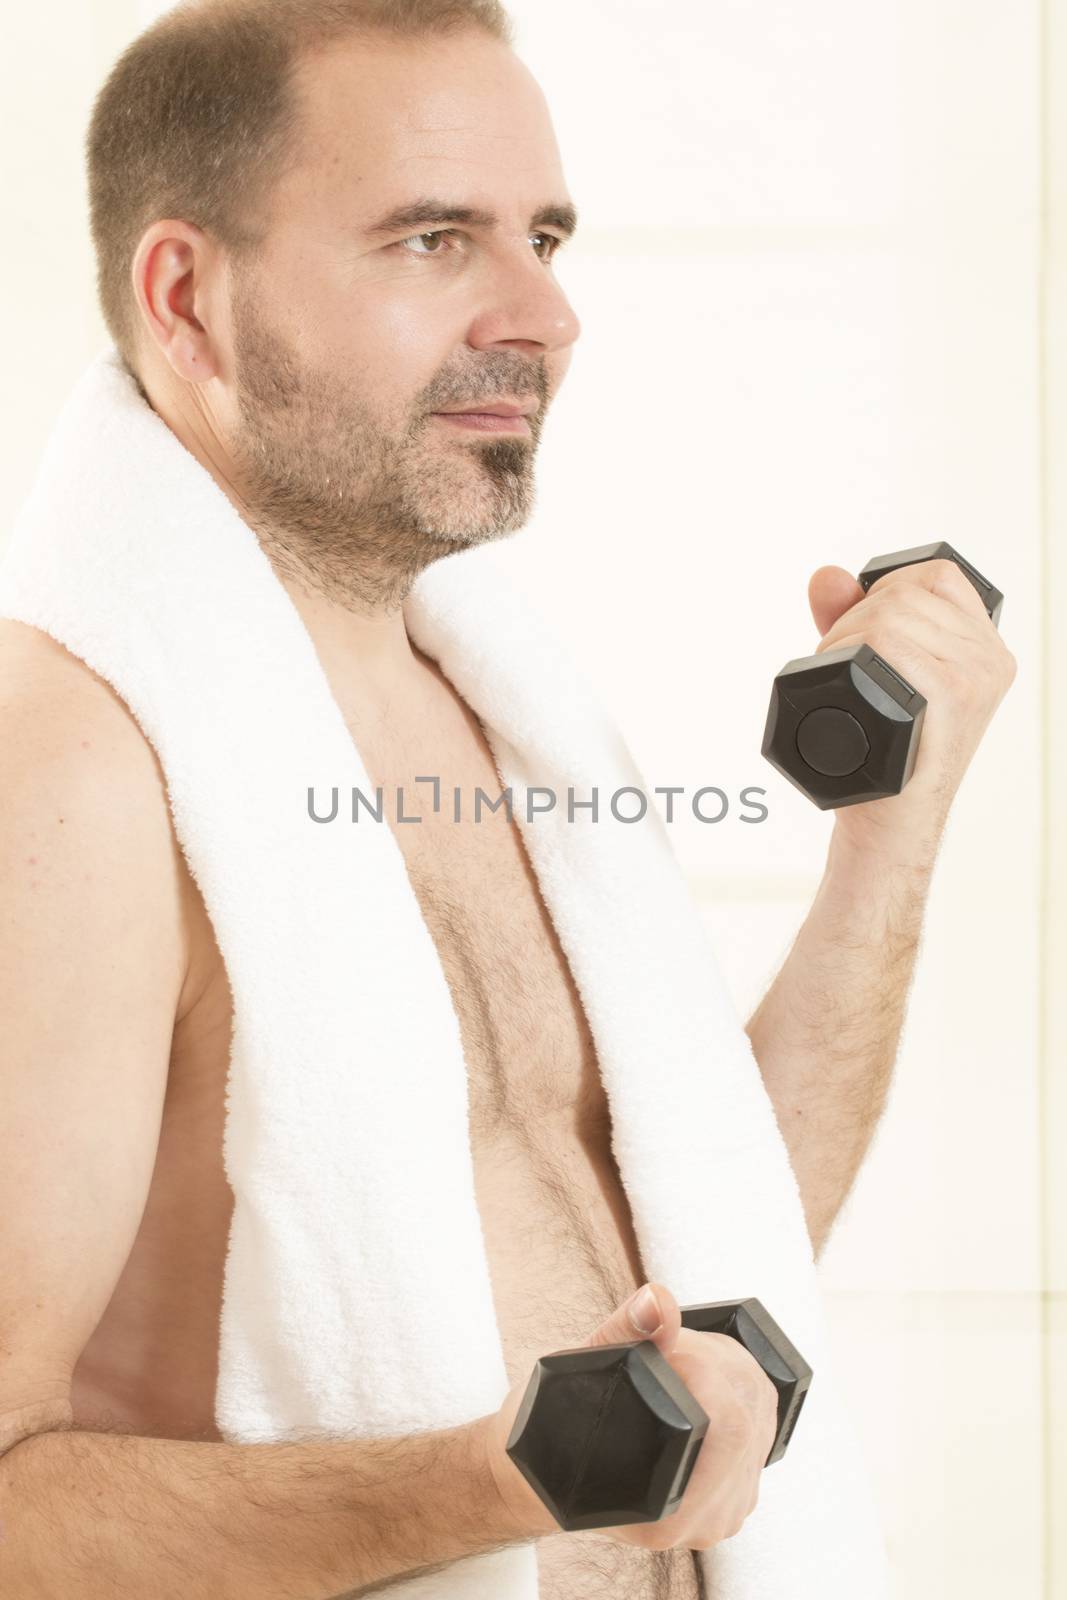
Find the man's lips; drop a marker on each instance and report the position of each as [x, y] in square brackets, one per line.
[484, 421]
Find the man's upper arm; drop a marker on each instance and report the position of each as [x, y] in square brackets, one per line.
[92, 959]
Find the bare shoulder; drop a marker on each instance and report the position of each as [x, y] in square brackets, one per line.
[52, 693]
[82, 792]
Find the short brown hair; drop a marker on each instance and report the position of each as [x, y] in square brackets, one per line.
[198, 119]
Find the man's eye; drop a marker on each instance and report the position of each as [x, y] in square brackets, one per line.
[418, 237]
[552, 241]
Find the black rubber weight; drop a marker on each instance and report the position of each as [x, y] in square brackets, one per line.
[610, 1435]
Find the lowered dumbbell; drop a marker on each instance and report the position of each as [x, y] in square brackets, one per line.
[610, 1435]
[844, 726]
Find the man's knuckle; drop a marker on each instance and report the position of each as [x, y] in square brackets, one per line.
[948, 572]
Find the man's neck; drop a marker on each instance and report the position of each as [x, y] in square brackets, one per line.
[370, 658]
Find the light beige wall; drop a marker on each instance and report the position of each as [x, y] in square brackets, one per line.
[815, 329]
[1054, 901]
[50, 69]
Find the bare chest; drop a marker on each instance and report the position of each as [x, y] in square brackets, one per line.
[530, 1056]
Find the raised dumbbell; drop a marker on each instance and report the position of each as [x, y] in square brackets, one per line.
[610, 1435]
[844, 726]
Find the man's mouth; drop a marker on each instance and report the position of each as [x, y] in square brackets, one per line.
[485, 422]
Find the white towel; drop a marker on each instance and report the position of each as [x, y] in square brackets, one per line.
[357, 1297]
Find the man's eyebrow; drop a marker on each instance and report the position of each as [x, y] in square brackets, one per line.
[419, 213]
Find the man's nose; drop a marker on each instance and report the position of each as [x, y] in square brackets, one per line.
[524, 302]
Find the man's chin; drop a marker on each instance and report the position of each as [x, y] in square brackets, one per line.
[446, 541]
[485, 519]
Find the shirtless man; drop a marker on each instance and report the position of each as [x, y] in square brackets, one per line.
[312, 377]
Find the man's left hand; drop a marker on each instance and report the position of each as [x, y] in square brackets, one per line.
[927, 622]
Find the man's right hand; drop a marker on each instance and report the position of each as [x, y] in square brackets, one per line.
[742, 1407]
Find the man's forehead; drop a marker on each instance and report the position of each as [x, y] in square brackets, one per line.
[454, 100]
[387, 128]
[417, 84]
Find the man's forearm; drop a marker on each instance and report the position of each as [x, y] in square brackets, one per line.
[111, 1515]
[826, 1033]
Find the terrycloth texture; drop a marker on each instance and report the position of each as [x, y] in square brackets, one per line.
[357, 1296]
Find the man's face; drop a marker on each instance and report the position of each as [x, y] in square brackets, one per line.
[346, 342]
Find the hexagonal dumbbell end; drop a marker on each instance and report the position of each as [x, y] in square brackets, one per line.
[752, 1325]
[843, 727]
[607, 1436]
[878, 566]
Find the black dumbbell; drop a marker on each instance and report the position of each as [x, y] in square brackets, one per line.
[844, 726]
[610, 1435]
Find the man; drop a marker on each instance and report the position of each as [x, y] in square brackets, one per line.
[363, 362]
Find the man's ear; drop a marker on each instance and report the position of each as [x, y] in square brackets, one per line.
[171, 279]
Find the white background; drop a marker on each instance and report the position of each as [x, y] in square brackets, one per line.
[820, 307]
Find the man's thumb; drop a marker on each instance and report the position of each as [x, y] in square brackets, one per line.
[651, 1313]
[831, 592]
